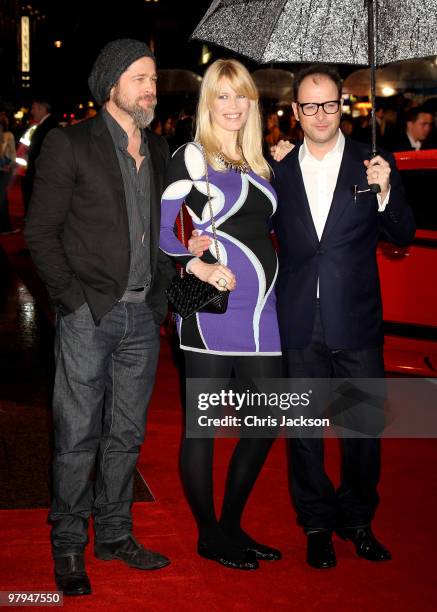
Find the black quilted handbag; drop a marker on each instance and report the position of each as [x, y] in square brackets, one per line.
[187, 293]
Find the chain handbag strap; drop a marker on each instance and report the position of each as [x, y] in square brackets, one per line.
[208, 193]
[182, 224]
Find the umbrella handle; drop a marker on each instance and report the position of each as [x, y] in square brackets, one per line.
[371, 33]
[374, 187]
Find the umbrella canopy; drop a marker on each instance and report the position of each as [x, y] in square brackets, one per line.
[412, 75]
[358, 83]
[367, 32]
[332, 31]
[274, 83]
[175, 81]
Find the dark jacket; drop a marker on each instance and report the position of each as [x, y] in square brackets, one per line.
[77, 229]
[33, 152]
[344, 260]
[399, 141]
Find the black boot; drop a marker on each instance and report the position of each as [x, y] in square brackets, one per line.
[70, 575]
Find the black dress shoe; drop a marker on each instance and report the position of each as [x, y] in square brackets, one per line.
[130, 552]
[320, 551]
[366, 545]
[70, 575]
[229, 556]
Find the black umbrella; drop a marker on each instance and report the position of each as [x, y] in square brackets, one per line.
[177, 81]
[362, 32]
[274, 83]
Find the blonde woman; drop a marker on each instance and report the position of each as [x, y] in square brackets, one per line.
[245, 339]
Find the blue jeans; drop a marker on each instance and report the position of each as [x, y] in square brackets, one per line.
[103, 382]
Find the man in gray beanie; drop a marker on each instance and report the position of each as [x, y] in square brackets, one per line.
[93, 232]
[110, 64]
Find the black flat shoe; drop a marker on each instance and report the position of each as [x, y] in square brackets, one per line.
[320, 550]
[261, 551]
[366, 545]
[70, 575]
[131, 552]
[231, 557]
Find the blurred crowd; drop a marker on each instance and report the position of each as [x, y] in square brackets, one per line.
[401, 125]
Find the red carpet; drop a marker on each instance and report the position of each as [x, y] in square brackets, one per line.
[191, 583]
[405, 522]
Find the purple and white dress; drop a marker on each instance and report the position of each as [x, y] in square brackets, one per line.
[242, 205]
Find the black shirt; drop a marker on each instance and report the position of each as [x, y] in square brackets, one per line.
[137, 193]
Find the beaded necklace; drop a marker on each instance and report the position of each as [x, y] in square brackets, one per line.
[239, 165]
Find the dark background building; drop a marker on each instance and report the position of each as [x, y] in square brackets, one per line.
[65, 38]
[82, 27]
[9, 45]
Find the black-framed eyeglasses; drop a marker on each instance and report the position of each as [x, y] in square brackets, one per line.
[312, 108]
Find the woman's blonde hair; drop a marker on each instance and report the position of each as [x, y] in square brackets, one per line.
[250, 135]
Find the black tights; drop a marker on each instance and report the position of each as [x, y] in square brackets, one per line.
[248, 457]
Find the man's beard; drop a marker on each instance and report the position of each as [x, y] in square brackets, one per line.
[142, 117]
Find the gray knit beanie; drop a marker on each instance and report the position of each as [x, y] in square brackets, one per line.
[112, 61]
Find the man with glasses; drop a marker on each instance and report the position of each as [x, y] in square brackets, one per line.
[329, 304]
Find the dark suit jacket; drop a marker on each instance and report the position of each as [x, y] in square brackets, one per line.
[36, 141]
[344, 259]
[399, 141]
[77, 228]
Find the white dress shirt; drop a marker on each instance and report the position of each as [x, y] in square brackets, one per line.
[320, 178]
[416, 144]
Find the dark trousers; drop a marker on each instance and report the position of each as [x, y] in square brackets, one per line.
[26, 190]
[103, 382]
[5, 223]
[318, 504]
